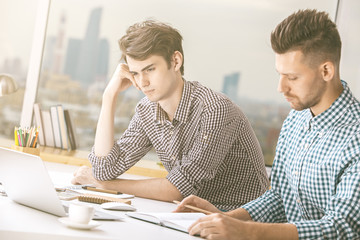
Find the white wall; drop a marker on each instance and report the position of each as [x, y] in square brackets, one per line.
[349, 27]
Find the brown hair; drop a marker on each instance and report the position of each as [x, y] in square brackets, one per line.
[151, 38]
[311, 32]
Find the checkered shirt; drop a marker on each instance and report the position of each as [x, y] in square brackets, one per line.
[209, 149]
[316, 173]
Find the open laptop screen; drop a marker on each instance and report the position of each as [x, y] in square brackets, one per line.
[26, 181]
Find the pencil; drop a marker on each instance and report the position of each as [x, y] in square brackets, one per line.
[101, 190]
[195, 208]
[34, 144]
[16, 137]
[21, 138]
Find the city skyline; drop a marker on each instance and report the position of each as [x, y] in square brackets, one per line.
[232, 55]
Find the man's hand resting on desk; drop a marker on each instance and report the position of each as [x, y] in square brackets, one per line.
[84, 176]
[196, 202]
[235, 224]
[213, 226]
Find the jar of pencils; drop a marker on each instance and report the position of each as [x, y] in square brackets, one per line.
[26, 140]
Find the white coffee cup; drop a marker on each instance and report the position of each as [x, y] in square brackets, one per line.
[81, 213]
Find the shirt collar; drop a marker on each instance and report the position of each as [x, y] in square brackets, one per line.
[331, 115]
[160, 115]
[182, 110]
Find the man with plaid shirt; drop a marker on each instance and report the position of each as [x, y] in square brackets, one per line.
[315, 180]
[201, 137]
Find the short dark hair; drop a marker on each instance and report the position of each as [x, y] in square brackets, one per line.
[151, 38]
[311, 32]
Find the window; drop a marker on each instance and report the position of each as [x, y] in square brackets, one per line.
[226, 47]
[17, 21]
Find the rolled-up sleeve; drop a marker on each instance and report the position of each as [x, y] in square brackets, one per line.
[268, 208]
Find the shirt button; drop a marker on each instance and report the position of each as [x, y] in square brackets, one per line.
[295, 173]
[306, 146]
[171, 132]
[173, 157]
[205, 137]
[298, 200]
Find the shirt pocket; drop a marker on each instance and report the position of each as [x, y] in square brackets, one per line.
[317, 185]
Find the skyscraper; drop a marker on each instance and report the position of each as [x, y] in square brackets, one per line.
[86, 67]
[72, 57]
[230, 86]
[102, 60]
[49, 52]
[58, 61]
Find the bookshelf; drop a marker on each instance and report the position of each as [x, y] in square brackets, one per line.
[144, 167]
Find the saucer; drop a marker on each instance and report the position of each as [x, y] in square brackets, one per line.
[68, 223]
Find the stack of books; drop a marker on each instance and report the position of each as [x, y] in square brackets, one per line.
[56, 127]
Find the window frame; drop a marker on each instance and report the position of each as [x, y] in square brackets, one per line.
[35, 62]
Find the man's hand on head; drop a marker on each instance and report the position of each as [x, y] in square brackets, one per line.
[121, 80]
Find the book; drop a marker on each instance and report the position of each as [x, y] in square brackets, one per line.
[70, 129]
[56, 126]
[94, 198]
[47, 128]
[177, 221]
[63, 127]
[39, 123]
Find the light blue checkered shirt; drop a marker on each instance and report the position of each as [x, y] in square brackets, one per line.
[316, 173]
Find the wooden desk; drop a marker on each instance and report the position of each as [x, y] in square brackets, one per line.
[21, 222]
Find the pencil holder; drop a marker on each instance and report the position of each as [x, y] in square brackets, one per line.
[34, 151]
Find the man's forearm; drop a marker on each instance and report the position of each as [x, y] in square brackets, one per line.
[104, 137]
[240, 214]
[155, 188]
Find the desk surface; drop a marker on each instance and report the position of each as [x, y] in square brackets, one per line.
[21, 222]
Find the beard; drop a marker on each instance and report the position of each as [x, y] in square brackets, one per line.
[310, 100]
[302, 105]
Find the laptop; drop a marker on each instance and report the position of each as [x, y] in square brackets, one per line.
[26, 181]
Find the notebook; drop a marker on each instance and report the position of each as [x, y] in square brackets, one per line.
[93, 198]
[27, 182]
[177, 221]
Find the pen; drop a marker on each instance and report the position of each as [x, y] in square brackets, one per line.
[101, 190]
[195, 208]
